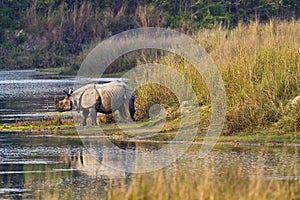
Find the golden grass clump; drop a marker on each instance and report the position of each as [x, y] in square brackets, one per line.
[260, 67]
[151, 94]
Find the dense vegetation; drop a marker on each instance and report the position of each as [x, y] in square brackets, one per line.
[52, 33]
[260, 67]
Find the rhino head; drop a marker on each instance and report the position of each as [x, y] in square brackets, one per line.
[65, 104]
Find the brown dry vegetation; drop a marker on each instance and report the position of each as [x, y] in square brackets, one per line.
[260, 67]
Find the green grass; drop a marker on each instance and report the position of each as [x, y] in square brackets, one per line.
[153, 130]
[113, 75]
[55, 70]
[263, 137]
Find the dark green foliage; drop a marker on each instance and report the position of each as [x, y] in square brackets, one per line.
[51, 33]
[11, 12]
[199, 13]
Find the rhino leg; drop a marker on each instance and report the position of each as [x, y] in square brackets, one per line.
[131, 107]
[93, 113]
[122, 112]
[85, 114]
[126, 113]
[128, 110]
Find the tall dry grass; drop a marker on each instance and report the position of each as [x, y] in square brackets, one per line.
[78, 25]
[260, 67]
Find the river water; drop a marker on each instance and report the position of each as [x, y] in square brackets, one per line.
[40, 167]
[28, 94]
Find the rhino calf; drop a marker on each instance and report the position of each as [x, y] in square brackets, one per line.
[102, 98]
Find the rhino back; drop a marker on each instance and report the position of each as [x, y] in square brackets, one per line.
[112, 97]
[77, 93]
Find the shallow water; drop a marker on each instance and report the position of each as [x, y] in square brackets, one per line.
[44, 168]
[23, 93]
[27, 94]
[52, 168]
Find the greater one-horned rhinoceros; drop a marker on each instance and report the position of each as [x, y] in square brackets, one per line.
[103, 98]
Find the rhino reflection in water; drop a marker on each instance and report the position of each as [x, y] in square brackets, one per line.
[102, 98]
[92, 166]
[104, 162]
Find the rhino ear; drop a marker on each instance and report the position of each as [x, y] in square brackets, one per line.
[71, 91]
[88, 98]
[68, 95]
